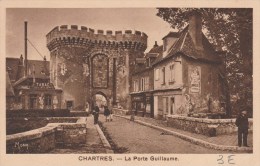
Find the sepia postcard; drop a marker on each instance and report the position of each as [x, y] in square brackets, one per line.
[129, 83]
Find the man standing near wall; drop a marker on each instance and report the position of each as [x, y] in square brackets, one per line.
[242, 124]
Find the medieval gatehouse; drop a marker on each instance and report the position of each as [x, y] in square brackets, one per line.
[85, 64]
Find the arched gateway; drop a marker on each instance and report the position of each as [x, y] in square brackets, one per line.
[84, 64]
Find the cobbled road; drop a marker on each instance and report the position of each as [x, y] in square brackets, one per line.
[142, 139]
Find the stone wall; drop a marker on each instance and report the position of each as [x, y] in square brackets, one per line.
[70, 134]
[205, 126]
[34, 141]
[202, 92]
[47, 138]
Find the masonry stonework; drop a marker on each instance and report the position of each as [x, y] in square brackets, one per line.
[65, 132]
[205, 97]
[204, 126]
[84, 63]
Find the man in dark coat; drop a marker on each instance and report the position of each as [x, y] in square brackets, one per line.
[242, 124]
[96, 114]
[106, 113]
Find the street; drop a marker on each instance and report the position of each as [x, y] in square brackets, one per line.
[141, 139]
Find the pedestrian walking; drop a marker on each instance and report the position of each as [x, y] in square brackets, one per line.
[106, 113]
[96, 114]
[242, 124]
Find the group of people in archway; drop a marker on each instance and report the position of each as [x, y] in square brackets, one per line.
[102, 108]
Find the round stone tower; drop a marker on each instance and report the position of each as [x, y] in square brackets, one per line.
[84, 63]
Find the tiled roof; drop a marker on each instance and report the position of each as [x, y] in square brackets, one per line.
[158, 50]
[172, 34]
[9, 88]
[157, 53]
[41, 68]
[12, 67]
[208, 53]
[185, 45]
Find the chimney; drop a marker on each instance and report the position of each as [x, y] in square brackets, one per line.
[195, 29]
[20, 72]
[45, 70]
[155, 44]
[21, 60]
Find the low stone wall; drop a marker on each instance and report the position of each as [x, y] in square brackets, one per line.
[47, 138]
[148, 114]
[79, 113]
[140, 113]
[63, 119]
[119, 111]
[209, 127]
[70, 134]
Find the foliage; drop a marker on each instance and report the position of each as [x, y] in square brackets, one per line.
[229, 30]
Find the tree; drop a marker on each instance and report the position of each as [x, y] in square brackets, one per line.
[230, 30]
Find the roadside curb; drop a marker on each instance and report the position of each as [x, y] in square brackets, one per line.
[104, 140]
[194, 140]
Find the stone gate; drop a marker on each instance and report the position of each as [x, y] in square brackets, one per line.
[84, 63]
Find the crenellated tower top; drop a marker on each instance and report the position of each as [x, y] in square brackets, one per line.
[85, 37]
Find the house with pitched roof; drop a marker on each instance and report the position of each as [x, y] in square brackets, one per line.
[31, 91]
[184, 76]
[187, 78]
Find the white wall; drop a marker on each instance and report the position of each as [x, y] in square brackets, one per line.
[178, 74]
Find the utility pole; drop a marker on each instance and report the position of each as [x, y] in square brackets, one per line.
[25, 48]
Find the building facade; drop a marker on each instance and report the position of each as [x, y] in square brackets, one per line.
[141, 92]
[187, 77]
[85, 64]
[143, 83]
[31, 91]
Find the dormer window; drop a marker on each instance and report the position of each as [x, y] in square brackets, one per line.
[168, 41]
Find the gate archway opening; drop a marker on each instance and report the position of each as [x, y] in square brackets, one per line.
[100, 100]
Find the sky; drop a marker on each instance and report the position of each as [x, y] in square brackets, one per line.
[41, 21]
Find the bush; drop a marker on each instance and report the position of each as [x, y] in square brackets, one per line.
[18, 125]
